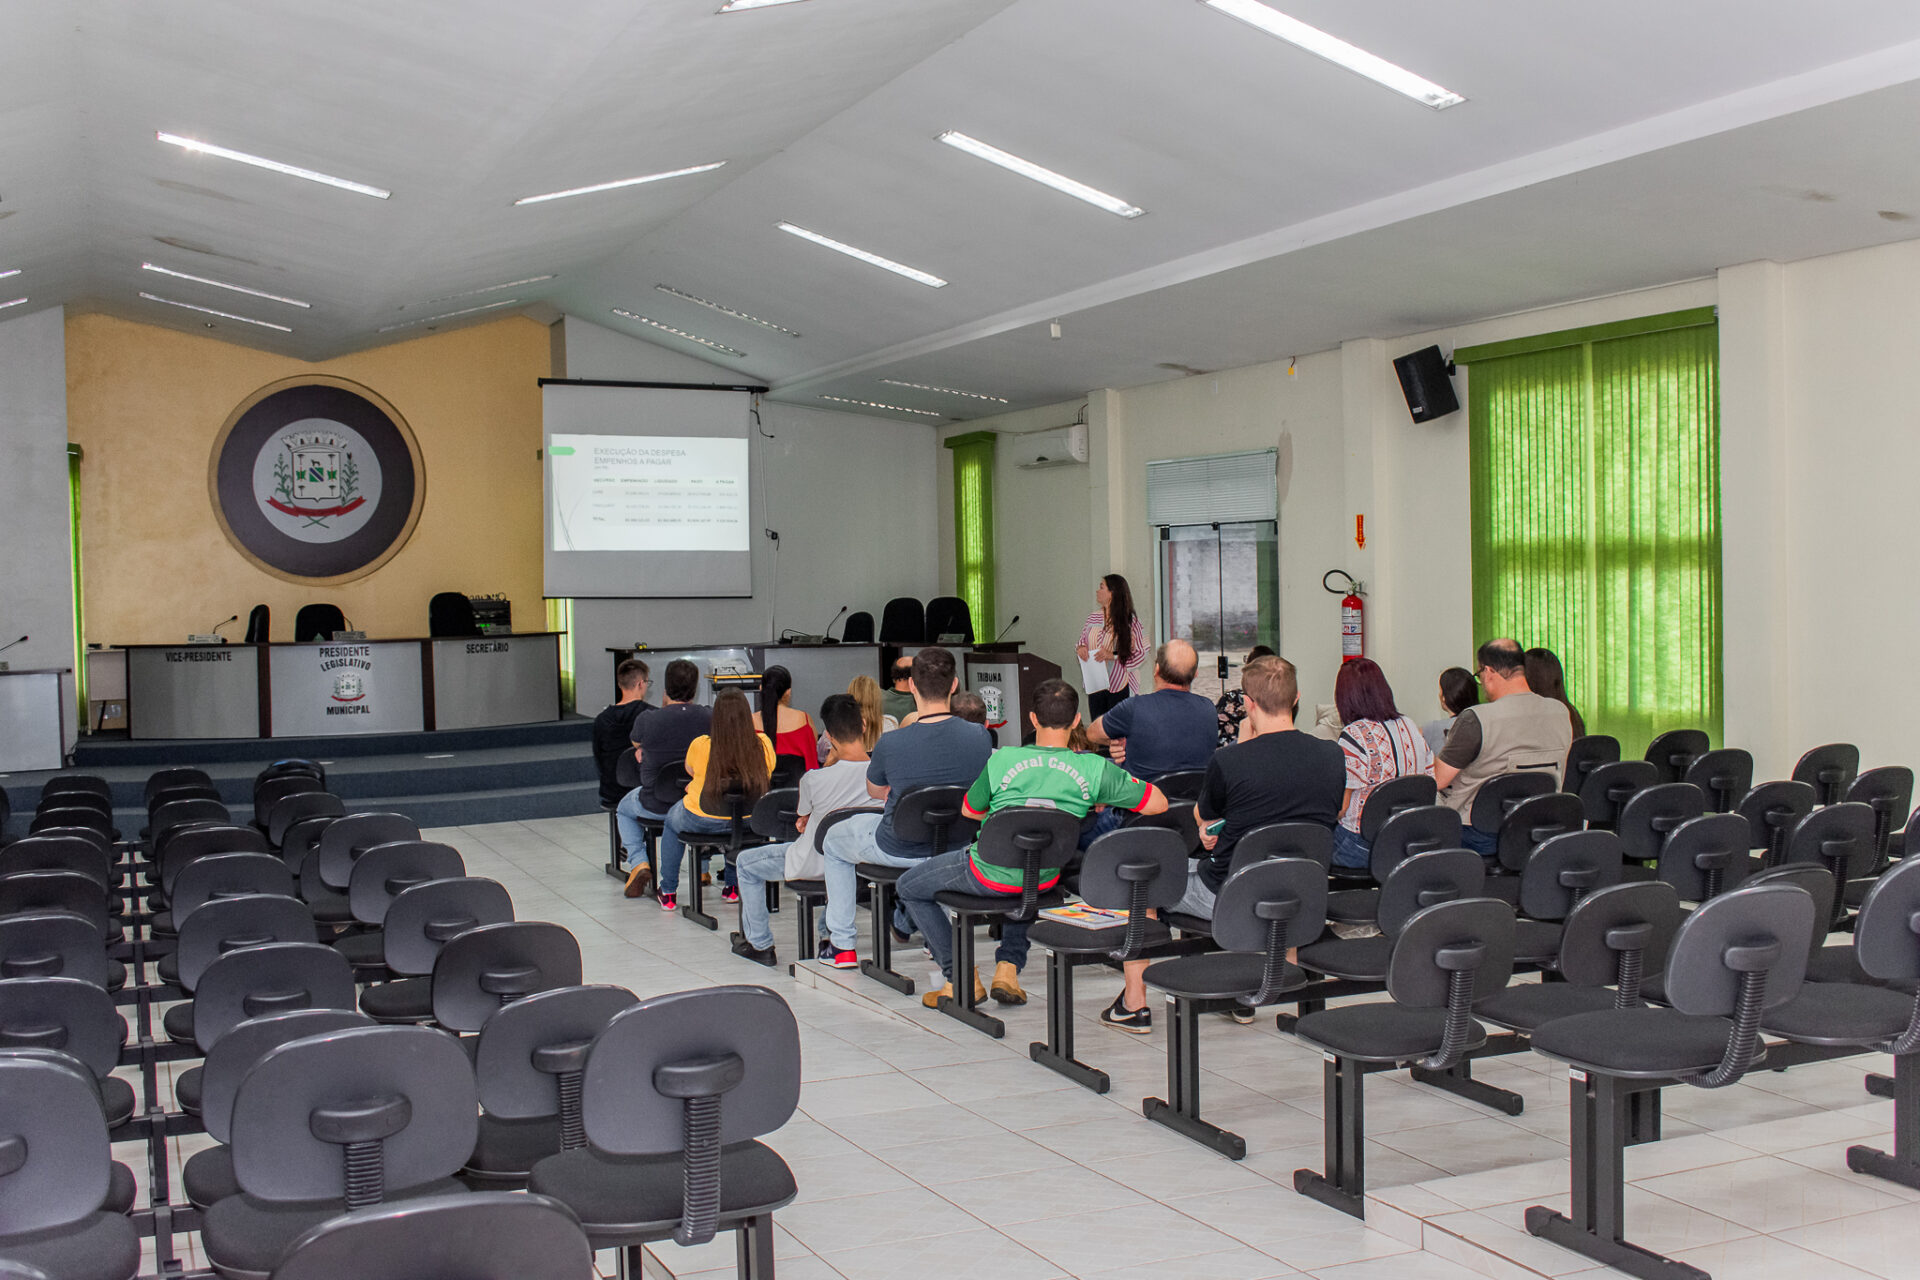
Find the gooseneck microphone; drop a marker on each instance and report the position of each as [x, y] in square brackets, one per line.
[1003, 631]
[826, 637]
[215, 629]
[11, 643]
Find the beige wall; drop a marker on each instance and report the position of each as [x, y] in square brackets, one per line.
[146, 403]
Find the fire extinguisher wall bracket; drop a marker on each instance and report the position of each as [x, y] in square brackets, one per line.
[1353, 614]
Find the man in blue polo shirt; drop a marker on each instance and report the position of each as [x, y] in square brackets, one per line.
[1170, 730]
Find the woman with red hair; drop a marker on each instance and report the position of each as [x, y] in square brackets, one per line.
[1380, 745]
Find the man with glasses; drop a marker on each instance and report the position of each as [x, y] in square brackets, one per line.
[1514, 729]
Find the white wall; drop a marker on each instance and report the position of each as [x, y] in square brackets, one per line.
[850, 496]
[36, 557]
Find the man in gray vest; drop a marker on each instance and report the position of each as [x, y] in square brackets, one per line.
[1514, 729]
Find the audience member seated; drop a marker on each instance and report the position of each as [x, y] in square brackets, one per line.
[864, 690]
[897, 701]
[1514, 729]
[1379, 744]
[1047, 774]
[793, 730]
[939, 749]
[613, 727]
[1278, 774]
[660, 740]
[1546, 678]
[729, 756]
[970, 706]
[1169, 730]
[1458, 691]
[1231, 707]
[840, 785]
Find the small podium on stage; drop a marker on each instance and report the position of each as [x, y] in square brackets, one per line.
[1005, 679]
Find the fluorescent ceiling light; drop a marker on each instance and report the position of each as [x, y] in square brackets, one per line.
[259, 162]
[464, 311]
[875, 404]
[222, 284]
[11, 271]
[725, 311]
[1334, 49]
[740, 6]
[209, 311]
[945, 391]
[887, 264]
[492, 288]
[1040, 174]
[681, 333]
[624, 182]
[13, 303]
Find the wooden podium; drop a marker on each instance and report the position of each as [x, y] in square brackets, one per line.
[1005, 679]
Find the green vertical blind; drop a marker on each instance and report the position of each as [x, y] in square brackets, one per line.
[74, 455]
[1595, 490]
[973, 525]
[560, 618]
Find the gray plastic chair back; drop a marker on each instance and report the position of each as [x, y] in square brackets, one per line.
[1759, 927]
[1584, 756]
[229, 924]
[1886, 939]
[176, 813]
[487, 1235]
[1498, 797]
[1706, 856]
[1650, 816]
[496, 964]
[1829, 770]
[774, 814]
[53, 1144]
[1033, 839]
[1565, 869]
[180, 791]
[276, 978]
[1811, 879]
[1307, 840]
[72, 815]
[298, 808]
[1271, 906]
[406, 1093]
[931, 815]
[1177, 817]
[292, 765]
[229, 1060]
[14, 1270]
[58, 853]
[74, 1017]
[52, 944]
[1393, 797]
[532, 1054]
[1472, 935]
[386, 871]
[269, 791]
[227, 875]
[1723, 776]
[1609, 786]
[344, 841]
[56, 891]
[161, 779]
[1609, 923]
[1674, 752]
[420, 920]
[1133, 869]
[1428, 879]
[1181, 784]
[98, 839]
[1888, 791]
[184, 845]
[76, 784]
[1534, 821]
[1839, 837]
[1410, 832]
[1772, 809]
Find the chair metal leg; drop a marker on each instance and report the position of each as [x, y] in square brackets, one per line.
[1598, 1201]
[1903, 1166]
[754, 1248]
[803, 927]
[614, 847]
[1878, 1085]
[696, 897]
[1182, 1113]
[1056, 1053]
[1459, 1082]
[960, 1004]
[1344, 1184]
[880, 967]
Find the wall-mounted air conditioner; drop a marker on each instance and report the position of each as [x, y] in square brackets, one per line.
[1061, 447]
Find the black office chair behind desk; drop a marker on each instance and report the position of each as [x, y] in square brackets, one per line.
[257, 622]
[451, 614]
[317, 622]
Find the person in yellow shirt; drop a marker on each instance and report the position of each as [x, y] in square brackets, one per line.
[730, 755]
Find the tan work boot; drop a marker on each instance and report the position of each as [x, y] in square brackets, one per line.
[932, 998]
[639, 880]
[1006, 985]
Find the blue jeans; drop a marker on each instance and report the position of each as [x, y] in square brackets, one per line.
[1484, 843]
[633, 838]
[681, 822]
[950, 873]
[1349, 849]
[1106, 820]
[849, 843]
[755, 868]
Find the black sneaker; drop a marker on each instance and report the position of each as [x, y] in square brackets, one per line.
[747, 951]
[1137, 1022]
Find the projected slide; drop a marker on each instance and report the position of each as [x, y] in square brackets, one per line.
[648, 493]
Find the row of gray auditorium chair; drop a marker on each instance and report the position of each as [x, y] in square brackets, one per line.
[378, 1042]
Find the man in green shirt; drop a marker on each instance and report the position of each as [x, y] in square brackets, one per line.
[1045, 775]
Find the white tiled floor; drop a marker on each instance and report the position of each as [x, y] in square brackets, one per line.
[925, 1149]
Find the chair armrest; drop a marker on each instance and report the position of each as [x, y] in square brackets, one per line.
[819, 833]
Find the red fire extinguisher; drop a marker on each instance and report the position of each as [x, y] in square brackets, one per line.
[1353, 615]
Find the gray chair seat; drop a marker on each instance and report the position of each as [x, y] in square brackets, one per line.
[1359, 959]
[116, 976]
[1838, 1014]
[1536, 941]
[1073, 941]
[364, 950]
[1528, 1005]
[884, 874]
[116, 1101]
[996, 904]
[1835, 965]
[208, 1177]
[407, 1000]
[169, 967]
[186, 1090]
[1193, 925]
[330, 907]
[807, 888]
[1504, 888]
[178, 1023]
[121, 1190]
[1219, 975]
[101, 1246]
[244, 1237]
[506, 1149]
[617, 1198]
[1378, 1032]
[1353, 906]
[1635, 1043]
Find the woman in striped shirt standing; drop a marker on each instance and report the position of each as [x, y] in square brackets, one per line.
[1113, 635]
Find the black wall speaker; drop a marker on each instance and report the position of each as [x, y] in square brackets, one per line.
[1425, 379]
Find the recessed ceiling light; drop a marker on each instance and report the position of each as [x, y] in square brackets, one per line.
[1040, 174]
[887, 264]
[875, 404]
[1334, 49]
[12, 303]
[209, 311]
[725, 311]
[464, 311]
[739, 6]
[681, 333]
[259, 162]
[945, 391]
[492, 288]
[11, 271]
[222, 284]
[624, 182]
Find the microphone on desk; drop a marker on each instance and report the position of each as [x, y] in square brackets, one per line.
[215, 629]
[826, 637]
[11, 643]
[1003, 631]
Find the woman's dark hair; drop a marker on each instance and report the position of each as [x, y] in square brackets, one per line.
[1361, 692]
[1259, 651]
[775, 684]
[1120, 617]
[1458, 690]
[735, 757]
[1546, 677]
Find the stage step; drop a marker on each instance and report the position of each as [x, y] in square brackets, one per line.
[97, 752]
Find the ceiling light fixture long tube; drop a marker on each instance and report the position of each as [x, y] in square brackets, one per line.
[945, 391]
[741, 6]
[1338, 51]
[681, 333]
[876, 404]
[464, 311]
[1040, 174]
[261, 162]
[725, 311]
[209, 311]
[623, 182]
[13, 302]
[492, 288]
[11, 271]
[222, 284]
[872, 259]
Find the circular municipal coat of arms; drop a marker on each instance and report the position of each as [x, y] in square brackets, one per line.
[316, 479]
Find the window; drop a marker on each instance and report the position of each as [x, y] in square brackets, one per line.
[973, 526]
[1218, 564]
[1595, 478]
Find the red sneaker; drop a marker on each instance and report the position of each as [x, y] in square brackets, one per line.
[669, 901]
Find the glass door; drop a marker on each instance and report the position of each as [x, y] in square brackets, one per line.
[1219, 587]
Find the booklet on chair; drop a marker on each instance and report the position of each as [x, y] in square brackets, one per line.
[1082, 916]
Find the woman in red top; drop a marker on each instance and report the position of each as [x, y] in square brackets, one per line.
[793, 732]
